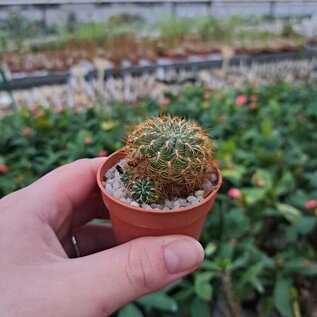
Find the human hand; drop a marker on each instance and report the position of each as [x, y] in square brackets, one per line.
[37, 276]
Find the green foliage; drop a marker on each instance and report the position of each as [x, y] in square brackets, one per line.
[173, 32]
[202, 285]
[158, 300]
[262, 242]
[130, 310]
[89, 31]
[124, 23]
[199, 308]
[34, 143]
[116, 26]
[17, 28]
[211, 28]
[3, 41]
[281, 296]
[288, 31]
[172, 28]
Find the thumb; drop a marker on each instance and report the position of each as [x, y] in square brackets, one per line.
[119, 275]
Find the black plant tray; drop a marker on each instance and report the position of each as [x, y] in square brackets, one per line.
[178, 65]
[30, 81]
[175, 65]
[311, 48]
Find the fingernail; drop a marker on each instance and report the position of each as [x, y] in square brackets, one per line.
[183, 255]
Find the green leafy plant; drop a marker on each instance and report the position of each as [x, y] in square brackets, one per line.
[215, 29]
[173, 29]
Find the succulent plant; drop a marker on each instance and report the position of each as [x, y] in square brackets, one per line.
[167, 156]
[144, 190]
[126, 177]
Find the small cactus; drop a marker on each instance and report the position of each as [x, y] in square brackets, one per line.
[143, 190]
[126, 177]
[167, 155]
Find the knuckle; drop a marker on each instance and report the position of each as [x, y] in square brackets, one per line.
[83, 160]
[140, 270]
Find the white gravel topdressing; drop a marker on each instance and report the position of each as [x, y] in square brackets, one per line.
[115, 187]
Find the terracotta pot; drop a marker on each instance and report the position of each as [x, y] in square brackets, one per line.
[131, 222]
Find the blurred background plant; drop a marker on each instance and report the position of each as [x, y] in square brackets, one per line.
[19, 32]
[259, 239]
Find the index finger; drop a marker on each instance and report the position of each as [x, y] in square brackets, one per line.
[64, 189]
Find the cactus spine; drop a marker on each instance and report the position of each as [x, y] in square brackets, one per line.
[173, 154]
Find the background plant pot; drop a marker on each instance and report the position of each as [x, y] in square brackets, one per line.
[131, 222]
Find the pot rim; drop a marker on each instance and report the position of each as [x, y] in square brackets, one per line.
[151, 211]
